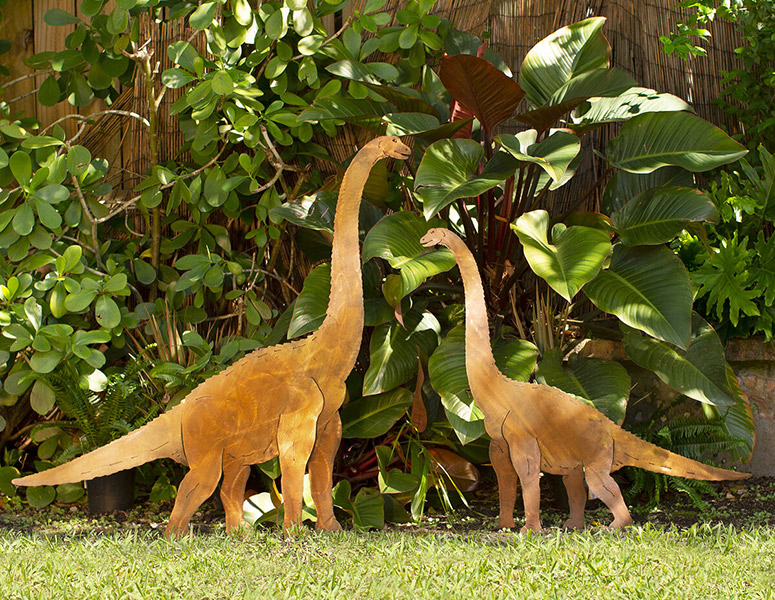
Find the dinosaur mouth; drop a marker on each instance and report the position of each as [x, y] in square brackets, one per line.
[402, 154]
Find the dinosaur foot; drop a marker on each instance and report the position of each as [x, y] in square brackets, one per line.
[620, 523]
[507, 523]
[572, 524]
[531, 528]
[332, 525]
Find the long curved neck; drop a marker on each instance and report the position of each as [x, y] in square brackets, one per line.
[344, 317]
[478, 349]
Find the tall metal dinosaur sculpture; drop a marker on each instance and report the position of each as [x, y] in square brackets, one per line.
[277, 401]
[538, 428]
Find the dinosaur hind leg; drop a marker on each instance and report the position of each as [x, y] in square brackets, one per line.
[577, 497]
[235, 477]
[321, 466]
[507, 482]
[604, 487]
[197, 486]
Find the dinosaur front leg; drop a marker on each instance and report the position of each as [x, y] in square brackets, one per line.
[507, 482]
[295, 438]
[321, 466]
[577, 497]
[526, 458]
[235, 478]
[197, 486]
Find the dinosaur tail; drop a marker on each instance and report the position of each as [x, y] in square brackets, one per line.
[632, 451]
[161, 438]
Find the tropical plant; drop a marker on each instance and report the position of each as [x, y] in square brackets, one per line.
[97, 410]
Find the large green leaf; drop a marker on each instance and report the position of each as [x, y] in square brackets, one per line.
[635, 101]
[486, 92]
[571, 259]
[396, 238]
[496, 171]
[594, 83]
[393, 351]
[624, 186]
[738, 418]
[367, 508]
[393, 481]
[372, 416]
[445, 165]
[366, 113]
[653, 140]
[553, 154]
[421, 124]
[562, 55]
[699, 371]
[658, 215]
[447, 371]
[648, 288]
[311, 305]
[604, 384]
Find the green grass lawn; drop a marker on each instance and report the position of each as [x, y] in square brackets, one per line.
[703, 561]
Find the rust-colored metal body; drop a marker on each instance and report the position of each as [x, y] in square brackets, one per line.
[538, 428]
[277, 401]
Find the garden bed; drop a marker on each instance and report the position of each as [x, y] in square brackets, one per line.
[743, 504]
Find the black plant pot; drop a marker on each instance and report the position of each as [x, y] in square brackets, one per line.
[111, 492]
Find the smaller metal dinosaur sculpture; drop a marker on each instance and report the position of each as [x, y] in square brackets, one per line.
[276, 401]
[538, 428]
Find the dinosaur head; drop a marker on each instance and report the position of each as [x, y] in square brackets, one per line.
[436, 236]
[392, 147]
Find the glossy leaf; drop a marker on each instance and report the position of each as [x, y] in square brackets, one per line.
[372, 416]
[393, 351]
[573, 257]
[624, 186]
[554, 154]
[656, 216]
[445, 165]
[560, 56]
[635, 101]
[603, 384]
[648, 288]
[311, 305]
[481, 88]
[655, 140]
[396, 238]
[699, 371]
[41, 496]
[366, 509]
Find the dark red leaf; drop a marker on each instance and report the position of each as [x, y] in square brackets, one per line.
[481, 88]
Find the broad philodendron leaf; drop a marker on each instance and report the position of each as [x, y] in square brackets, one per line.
[311, 305]
[372, 416]
[447, 371]
[393, 351]
[445, 165]
[366, 113]
[367, 508]
[699, 371]
[624, 186]
[635, 101]
[594, 83]
[396, 238]
[562, 55]
[573, 258]
[554, 154]
[421, 124]
[648, 288]
[604, 384]
[655, 140]
[656, 216]
[480, 87]
[311, 212]
[496, 171]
